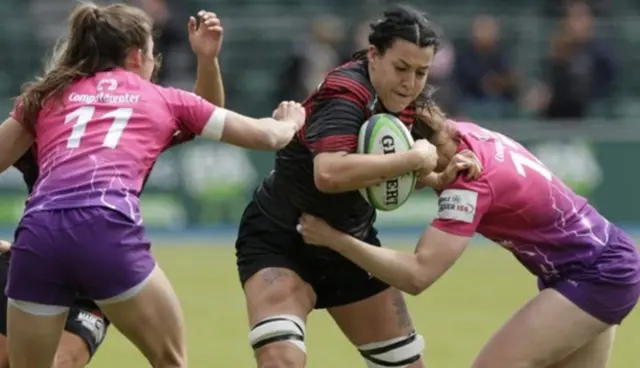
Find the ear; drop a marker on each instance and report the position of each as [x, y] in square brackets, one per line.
[134, 59]
[372, 54]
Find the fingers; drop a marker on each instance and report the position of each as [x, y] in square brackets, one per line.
[210, 20]
[192, 25]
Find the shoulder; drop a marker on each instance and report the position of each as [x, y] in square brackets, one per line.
[349, 81]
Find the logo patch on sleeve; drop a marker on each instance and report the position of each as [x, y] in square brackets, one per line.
[457, 204]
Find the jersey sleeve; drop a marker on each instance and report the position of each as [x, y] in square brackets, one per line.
[462, 206]
[338, 111]
[193, 113]
[17, 115]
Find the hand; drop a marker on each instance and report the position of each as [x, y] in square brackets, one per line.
[5, 246]
[428, 156]
[316, 231]
[290, 111]
[205, 35]
[463, 160]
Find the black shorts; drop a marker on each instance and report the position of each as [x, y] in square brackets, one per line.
[85, 318]
[336, 280]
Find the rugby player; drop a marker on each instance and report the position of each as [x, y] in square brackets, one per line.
[98, 125]
[86, 326]
[319, 173]
[588, 269]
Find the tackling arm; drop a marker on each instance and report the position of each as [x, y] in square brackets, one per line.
[412, 273]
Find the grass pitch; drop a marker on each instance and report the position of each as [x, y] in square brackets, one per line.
[456, 316]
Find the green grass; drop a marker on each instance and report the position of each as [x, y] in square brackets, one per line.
[456, 316]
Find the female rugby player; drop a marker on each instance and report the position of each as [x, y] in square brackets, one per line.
[588, 269]
[99, 124]
[86, 326]
[320, 173]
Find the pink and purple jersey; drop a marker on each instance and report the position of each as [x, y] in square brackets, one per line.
[518, 203]
[96, 145]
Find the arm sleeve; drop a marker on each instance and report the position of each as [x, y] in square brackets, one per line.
[338, 110]
[462, 206]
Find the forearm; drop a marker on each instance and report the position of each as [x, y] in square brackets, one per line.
[398, 269]
[276, 133]
[209, 83]
[355, 171]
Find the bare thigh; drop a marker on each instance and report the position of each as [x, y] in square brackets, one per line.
[152, 320]
[278, 292]
[72, 352]
[545, 331]
[32, 339]
[595, 354]
[375, 320]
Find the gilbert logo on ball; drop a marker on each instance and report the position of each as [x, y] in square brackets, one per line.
[385, 134]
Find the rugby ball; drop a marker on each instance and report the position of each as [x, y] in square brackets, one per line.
[384, 134]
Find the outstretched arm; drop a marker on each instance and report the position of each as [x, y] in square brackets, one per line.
[412, 273]
[205, 36]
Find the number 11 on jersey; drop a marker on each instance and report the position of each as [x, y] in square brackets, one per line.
[85, 114]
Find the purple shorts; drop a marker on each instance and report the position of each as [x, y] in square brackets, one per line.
[93, 252]
[609, 288]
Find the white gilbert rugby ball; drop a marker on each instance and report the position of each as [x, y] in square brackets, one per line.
[385, 134]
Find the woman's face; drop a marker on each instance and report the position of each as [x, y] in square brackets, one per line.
[399, 74]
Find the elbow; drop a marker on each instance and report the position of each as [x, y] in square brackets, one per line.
[326, 181]
[329, 175]
[418, 285]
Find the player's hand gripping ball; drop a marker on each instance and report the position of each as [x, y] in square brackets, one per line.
[384, 134]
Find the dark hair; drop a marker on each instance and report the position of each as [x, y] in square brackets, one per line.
[401, 22]
[406, 23]
[99, 39]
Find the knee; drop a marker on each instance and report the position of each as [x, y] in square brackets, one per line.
[401, 352]
[169, 358]
[279, 355]
[71, 359]
[278, 342]
[72, 352]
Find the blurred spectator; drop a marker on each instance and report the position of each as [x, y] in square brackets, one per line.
[579, 69]
[483, 74]
[557, 8]
[312, 58]
[441, 77]
[359, 40]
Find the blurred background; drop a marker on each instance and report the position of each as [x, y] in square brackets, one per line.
[559, 76]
